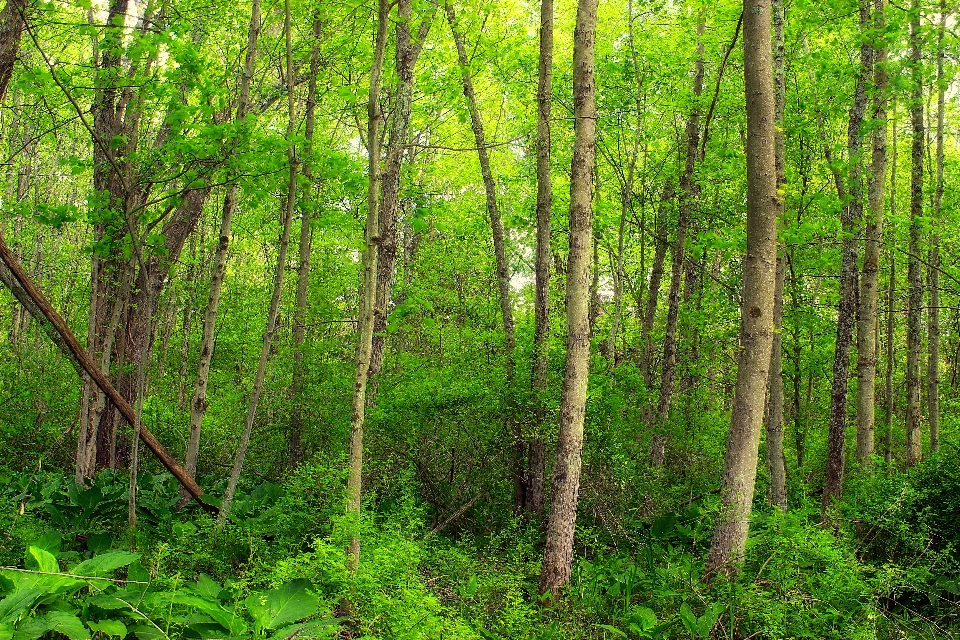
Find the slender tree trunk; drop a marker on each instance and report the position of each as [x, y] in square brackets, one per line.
[188, 319]
[774, 414]
[198, 404]
[914, 446]
[297, 401]
[653, 288]
[891, 291]
[500, 255]
[756, 312]
[870, 279]
[372, 239]
[849, 219]
[558, 552]
[689, 193]
[536, 463]
[291, 205]
[408, 51]
[933, 318]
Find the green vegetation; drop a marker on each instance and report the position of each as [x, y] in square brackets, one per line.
[366, 257]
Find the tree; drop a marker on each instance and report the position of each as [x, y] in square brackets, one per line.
[914, 279]
[558, 552]
[756, 309]
[851, 212]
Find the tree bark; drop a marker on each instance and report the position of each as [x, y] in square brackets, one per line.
[776, 462]
[689, 193]
[366, 319]
[914, 446]
[653, 288]
[756, 313]
[850, 216]
[891, 291]
[297, 401]
[558, 552]
[870, 278]
[198, 404]
[536, 463]
[500, 256]
[291, 205]
[933, 262]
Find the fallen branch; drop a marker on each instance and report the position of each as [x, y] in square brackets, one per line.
[35, 301]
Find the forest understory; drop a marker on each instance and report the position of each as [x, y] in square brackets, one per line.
[426, 319]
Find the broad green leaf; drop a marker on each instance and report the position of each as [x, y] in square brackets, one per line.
[6, 631]
[109, 627]
[16, 603]
[312, 629]
[67, 624]
[45, 560]
[285, 604]
[104, 563]
[227, 619]
[207, 587]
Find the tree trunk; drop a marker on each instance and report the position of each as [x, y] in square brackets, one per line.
[891, 291]
[198, 404]
[291, 205]
[850, 216]
[756, 313]
[297, 401]
[933, 262]
[776, 462]
[366, 320]
[536, 463]
[914, 446]
[653, 288]
[408, 51]
[500, 255]
[689, 192]
[558, 552]
[870, 279]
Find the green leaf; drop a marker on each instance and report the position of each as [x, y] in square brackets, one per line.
[67, 624]
[285, 604]
[687, 618]
[229, 620]
[207, 587]
[13, 605]
[109, 627]
[104, 563]
[46, 561]
[311, 629]
[6, 631]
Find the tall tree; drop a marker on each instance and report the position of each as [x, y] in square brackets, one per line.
[274, 310]
[870, 278]
[689, 192]
[499, 253]
[914, 279]
[297, 399]
[558, 552]
[850, 216]
[198, 403]
[366, 319]
[933, 260]
[756, 310]
[536, 461]
[774, 413]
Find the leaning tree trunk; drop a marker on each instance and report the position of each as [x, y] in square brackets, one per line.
[689, 192]
[558, 552]
[914, 446]
[849, 219]
[756, 312]
[291, 205]
[365, 337]
[536, 462]
[933, 317]
[500, 255]
[198, 404]
[297, 399]
[776, 462]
